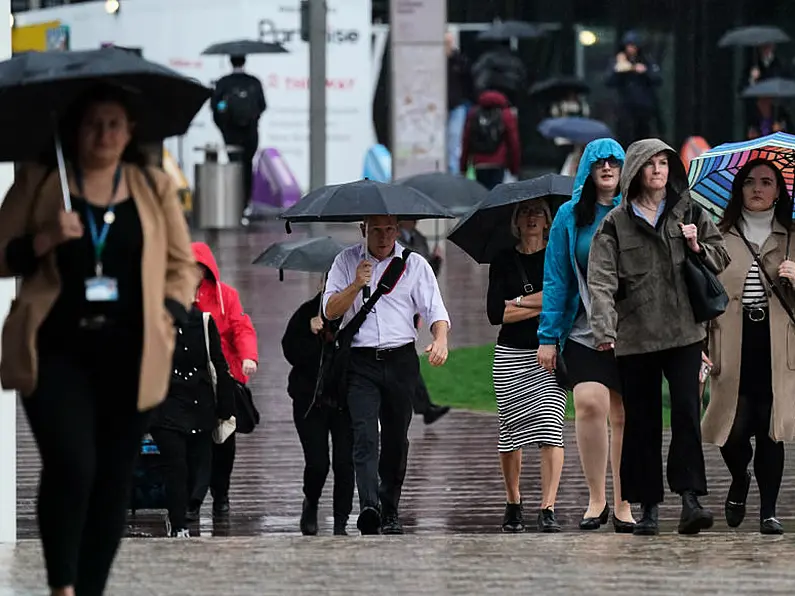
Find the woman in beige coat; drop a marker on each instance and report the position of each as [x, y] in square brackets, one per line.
[90, 338]
[753, 394]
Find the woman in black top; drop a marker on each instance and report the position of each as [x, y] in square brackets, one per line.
[302, 343]
[530, 403]
[183, 424]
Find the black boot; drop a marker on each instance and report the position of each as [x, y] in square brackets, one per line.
[309, 519]
[694, 517]
[340, 524]
[649, 524]
[221, 506]
[513, 520]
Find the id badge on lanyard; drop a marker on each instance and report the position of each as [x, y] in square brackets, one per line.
[101, 288]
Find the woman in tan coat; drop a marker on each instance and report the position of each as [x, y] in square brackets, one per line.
[752, 345]
[89, 340]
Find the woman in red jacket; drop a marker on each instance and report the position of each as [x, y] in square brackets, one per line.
[239, 344]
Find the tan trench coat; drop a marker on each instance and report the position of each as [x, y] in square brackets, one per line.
[725, 344]
[168, 270]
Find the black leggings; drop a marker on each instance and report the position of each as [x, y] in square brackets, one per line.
[84, 417]
[187, 459]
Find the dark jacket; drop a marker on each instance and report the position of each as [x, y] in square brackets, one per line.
[302, 349]
[500, 70]
[237, 79]
[509, 153]
[191, 405]
[639, 298]
[636, 91]
[459, 80]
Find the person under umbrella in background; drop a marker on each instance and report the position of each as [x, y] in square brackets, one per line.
[94, 313]
[765, 118]
[491, 140]
[307, 334]
[384, 369]
[239, 342]
[460, 93]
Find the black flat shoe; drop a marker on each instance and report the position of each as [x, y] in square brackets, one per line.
[308, 522]
[434, 413]
[547, 522]
[513, 520]
[771, 527]
[594, 523]
[369, 522]
[734, 507]
[622, 527]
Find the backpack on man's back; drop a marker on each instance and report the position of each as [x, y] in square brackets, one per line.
[239, 107]
[487, 130]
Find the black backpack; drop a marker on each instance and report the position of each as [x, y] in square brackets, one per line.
[487, 130]
[239, 107]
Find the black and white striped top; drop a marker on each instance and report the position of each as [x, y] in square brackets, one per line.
[754, 292]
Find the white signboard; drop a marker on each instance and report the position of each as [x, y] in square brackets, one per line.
[175, 32]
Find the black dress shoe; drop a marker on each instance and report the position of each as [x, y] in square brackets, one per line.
[513, 520]
[340, 524]
[734, 507]
[622, 527]
[694, 517]
[308, 522]
[547, 523]
[594, 523]
[649, 524]
[391, 525]
[771, 527]
[369, 522]
[434, 413]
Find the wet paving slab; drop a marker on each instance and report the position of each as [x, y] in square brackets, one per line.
[452, 499]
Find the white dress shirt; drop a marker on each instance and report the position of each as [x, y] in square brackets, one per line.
[391, 323]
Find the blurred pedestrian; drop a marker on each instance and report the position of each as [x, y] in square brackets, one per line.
[460, 93]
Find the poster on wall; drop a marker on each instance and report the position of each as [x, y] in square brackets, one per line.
[175, 33]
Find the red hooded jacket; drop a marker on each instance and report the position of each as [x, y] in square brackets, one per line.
[238, 337]
[508, 155]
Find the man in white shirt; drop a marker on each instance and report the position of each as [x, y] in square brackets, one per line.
[384, 368]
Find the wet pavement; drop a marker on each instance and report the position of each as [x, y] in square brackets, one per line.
[453, 495]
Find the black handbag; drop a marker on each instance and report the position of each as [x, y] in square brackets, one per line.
[247, 416]
[707, 295]
[561, 372]
[331, 387]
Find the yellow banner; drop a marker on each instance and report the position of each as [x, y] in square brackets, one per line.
[40, 37]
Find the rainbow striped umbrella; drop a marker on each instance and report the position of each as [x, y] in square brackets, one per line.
[711, 174]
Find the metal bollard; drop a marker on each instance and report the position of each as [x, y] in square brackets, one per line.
[219, 197]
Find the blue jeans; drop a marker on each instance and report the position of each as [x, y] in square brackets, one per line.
[456, 120]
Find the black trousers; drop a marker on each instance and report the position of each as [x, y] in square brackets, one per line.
[381, 387]
[421, 399]
[187, 459]
[223, 461]
[490, 177]
[314, 429]
[85, 420]
[752, 419]
[250, 144]
[641, 456]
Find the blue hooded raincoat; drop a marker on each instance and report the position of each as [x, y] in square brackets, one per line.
[561, 300]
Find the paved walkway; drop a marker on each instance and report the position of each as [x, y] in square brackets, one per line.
[453, 497]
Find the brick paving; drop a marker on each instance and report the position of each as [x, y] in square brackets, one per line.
[452, 497]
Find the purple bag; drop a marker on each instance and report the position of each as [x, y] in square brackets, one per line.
[274, 184]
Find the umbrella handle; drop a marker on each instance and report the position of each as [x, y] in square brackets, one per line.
[67, 197]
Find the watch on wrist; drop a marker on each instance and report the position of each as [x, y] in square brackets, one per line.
[518, 301]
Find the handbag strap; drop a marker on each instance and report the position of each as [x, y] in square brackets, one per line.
[773, 286]
[210, 367]
[526, 282]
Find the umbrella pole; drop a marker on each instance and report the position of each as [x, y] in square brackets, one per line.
[365, 289]
[322, 289]
[67, 197]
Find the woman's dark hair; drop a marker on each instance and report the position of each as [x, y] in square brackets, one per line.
[585, 208]
[733, 211]
[70, 123]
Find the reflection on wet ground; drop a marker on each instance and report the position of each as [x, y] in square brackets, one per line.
[453, 483]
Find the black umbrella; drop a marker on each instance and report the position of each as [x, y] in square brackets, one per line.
[313, 255]
[556, 87]
[38, 87]
[244, 47]
[752, 36]
[356, 200]
[574, 128]
[775, 88]
[486, 231]
[504, 30]
[456, 193]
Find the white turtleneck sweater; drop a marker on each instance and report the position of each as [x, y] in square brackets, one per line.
[757, 227]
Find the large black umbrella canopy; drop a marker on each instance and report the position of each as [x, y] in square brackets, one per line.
[244, 47]
[774, 88]
[355, 201]
[556, 87]
[752, 36]
[486, 231]
[38, 87]
[456, 193]
[312, 255]
[504, 30]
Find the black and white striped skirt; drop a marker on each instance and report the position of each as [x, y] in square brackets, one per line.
[530, 403]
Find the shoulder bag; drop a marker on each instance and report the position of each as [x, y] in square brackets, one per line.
[707, 295]
[774, 287]
[224, 428]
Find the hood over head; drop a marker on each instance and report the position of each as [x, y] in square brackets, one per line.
[642, 151]
[204, 256]
[493, 99]
[594, 151]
